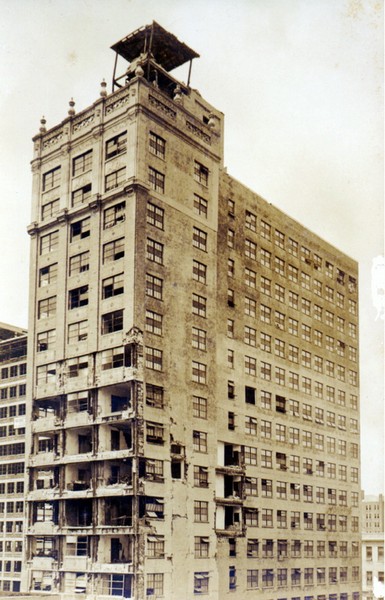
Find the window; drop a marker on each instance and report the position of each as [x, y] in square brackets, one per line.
[77, 366]
[293, 353]
[267, 578]
[48, 275]
[250, 221]
[280, 376]
[199, 239]
[116, 145]
[47, 308]
[230, 328]
[201, 476]
[153, 322]
[154, 396]
[112, 358]
[250, 455]
[280, 432]
[115, 179]
[51, 179]
[265, 313]
[79, 263]
[249, 395]
[201, 173]
[294, 435]
[199, 271]
[265, 258]
[279, 348]
[78, 297]
[199, 372]
[113, 250]
[77, 332]
[293, 326]
[230, 238]
[154, 251]
[230, 298]
[49, 242]
[266, 400]
[251, 486]
[46, 374]
[50, 209]
[46, 340]
[252, 579]
[112, 286]
[250, 425]
[80, 229]
[201, 547]
[306, 306]
[154, 286]
[250, 249]
[155, 546]
[154, 359]
[251, 517]
[306, 332]
[201, 511]
[81, 195]
[230, 267]
[250, 278]
[250, 365]
[265, 371]
[279, 292]
[267, 488]
[112, 321]
[252, 548]
[201, 583]
[200, 407]
[266, 461]
[114, 215]
[200, 205]
[157, 145]
[279, 266]
[155, 215]
[82, 163]
[154, 585]
[199, 305]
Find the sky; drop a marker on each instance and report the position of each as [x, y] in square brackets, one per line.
[301, 85]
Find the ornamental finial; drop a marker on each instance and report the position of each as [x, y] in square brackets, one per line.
[43, 128]
[71, 110]
[103, 89]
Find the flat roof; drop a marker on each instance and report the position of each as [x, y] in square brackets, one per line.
[166, 49]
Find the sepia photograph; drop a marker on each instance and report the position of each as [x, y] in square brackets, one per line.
[193, 300]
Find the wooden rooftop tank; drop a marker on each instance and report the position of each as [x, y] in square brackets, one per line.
[152, 53]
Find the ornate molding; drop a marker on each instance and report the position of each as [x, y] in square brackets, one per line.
[83, 123]
[53, 140]
[198, 132]
[162, 107]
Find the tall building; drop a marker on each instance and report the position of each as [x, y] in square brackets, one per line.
[373, 567]
[194, 362]
[13, 355]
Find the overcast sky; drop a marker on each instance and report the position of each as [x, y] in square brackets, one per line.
[300, 83]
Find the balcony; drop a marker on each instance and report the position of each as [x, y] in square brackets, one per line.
[43, 563]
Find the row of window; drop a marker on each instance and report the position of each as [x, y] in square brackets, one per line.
[291, 246]
[11, 526]
[15, 468]
[12, 411]
[12, 507]
[13, 391]
[13, 371]
[9, 431]
[293, 407]
[290, 378]
[279, 319]
[12, 488]
[11, 546]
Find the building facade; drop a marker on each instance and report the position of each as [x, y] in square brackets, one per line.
[13, 378]
[194, 362]
[373, 567]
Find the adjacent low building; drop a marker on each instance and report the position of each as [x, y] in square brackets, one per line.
[194, 428]
[13, 377]
[373, 585]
